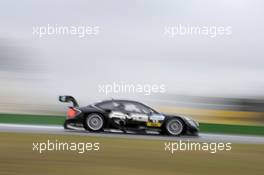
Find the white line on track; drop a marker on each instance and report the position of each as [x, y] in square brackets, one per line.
[38, 129]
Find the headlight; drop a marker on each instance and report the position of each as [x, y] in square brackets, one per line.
[191, 121]
[187, 118]
[197, 124]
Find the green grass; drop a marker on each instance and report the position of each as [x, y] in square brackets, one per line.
[231, 129]
[58, 120]
[31, 119]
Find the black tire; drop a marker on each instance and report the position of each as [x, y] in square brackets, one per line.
[94, 122]
[174, 126]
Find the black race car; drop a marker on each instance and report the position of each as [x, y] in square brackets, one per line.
[125, 115]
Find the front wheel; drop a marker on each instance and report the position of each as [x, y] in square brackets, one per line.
[174, 127]
[94, 122]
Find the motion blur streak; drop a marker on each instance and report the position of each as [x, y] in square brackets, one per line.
[128, 156]
[34, 71]
[215, 80]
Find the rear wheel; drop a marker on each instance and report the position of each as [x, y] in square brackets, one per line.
[94, 122]
[174, 127]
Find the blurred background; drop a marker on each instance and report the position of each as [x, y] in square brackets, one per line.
[215, 80]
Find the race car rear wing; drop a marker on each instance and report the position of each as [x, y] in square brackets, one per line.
[67, 99]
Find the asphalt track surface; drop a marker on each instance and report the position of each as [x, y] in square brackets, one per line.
[203, 137]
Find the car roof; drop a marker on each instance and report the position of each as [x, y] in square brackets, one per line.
[120, 100]
[125, 101]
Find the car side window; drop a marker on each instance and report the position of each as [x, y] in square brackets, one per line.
[136, 107]
[130, 107]
[108, 105]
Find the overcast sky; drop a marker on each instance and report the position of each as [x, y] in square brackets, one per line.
[131, 47]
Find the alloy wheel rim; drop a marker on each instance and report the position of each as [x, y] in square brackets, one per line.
[95, 122]
[174, 127]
